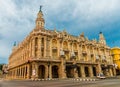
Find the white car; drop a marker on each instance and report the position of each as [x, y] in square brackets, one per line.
[101, 76]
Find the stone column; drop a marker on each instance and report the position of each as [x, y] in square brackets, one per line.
[114, 71]
[90, 71]
[46, 72]
[28, 71]
[13, 73]
[99, 68]
[50, 71]
[20, 72]
[63, 69]
[16, 73]
[33, 76]
[36, 68]
[82, 71]
[110, 71]
[25, 72]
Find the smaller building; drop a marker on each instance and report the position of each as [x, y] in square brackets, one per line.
[116, 58]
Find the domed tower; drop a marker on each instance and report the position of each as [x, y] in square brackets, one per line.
[40, 20]
[102, 39]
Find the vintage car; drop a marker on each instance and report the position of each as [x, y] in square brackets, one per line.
[101, 76]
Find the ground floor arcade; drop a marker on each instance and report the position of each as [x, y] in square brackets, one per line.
[57, 69]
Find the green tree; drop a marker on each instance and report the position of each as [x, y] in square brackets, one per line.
[1, 65]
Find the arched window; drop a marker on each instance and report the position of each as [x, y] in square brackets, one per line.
[36, 46]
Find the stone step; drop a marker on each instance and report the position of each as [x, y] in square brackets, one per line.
[73, 79]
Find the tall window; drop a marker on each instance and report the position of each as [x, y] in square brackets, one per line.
[42, 47]
[36, 47]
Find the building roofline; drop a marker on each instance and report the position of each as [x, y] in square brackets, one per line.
[115, 48]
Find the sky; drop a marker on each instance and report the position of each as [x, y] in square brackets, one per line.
[17, 20]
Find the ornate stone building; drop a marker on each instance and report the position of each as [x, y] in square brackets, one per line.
[54, 54]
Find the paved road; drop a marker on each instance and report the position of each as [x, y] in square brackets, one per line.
[61, 83]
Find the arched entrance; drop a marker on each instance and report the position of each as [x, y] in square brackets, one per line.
[41, 72]
[86, 72]
[69, 72]
[94, 71]
[55, 71]
[79, 71]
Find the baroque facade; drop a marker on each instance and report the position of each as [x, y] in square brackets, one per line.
[54, 54]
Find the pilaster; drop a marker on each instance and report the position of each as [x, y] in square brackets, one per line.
[63, 70]
[90, 71]
[82, 71]
[46, 72]
[110, 71]
[50, 71]
[28, 71]
[33, 47]
[114, 71]
[39, 47]
[99, 68]
[50, 48]
[45, 44]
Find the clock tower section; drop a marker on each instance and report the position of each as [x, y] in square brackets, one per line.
[40, 22]
[102, 39]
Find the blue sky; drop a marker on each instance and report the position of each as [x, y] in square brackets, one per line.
[17, 19]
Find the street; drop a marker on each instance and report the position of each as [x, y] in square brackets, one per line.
[60, 83]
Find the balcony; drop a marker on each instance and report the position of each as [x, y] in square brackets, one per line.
[54, 48]
[65, 49]
[84, 52]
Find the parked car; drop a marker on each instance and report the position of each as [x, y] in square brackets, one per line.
[101, 76]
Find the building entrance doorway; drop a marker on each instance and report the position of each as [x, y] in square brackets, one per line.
[41, 72]
[79, 71]
[86, 72]
[94, 71]
[69, 72]
[55, 72]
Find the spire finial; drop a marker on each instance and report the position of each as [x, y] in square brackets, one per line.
[14, 43]
[100, 32]
[40, 8]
